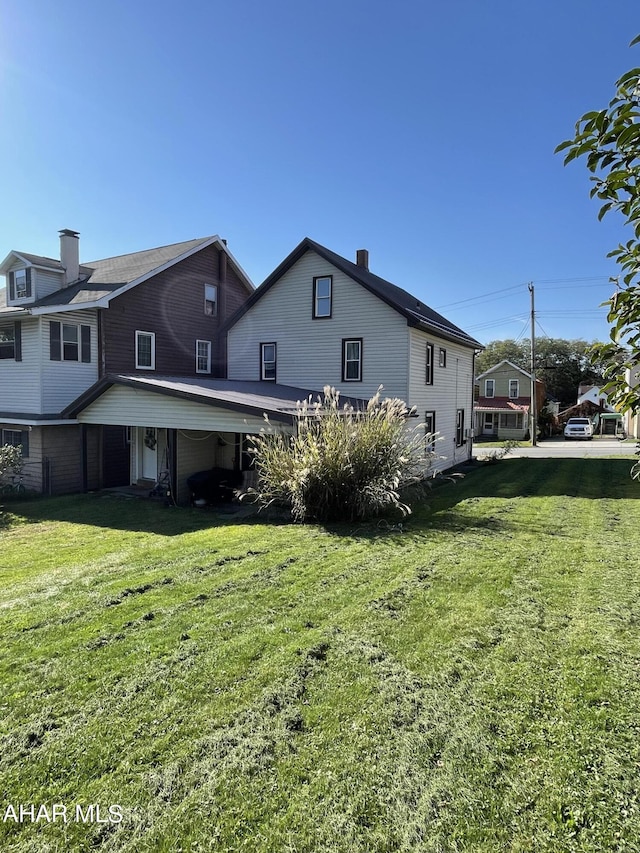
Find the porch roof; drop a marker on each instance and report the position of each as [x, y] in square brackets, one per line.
[246, 397]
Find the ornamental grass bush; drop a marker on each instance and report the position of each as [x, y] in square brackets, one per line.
[10, 461]
[343, 464]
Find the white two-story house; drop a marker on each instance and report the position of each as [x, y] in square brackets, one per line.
[320, 319]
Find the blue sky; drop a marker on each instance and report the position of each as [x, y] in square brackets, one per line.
[423, 131]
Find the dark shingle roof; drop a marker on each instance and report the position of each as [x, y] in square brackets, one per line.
[101, 278]
[257, 398]
[416, 312]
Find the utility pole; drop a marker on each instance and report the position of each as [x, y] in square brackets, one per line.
[533, 408]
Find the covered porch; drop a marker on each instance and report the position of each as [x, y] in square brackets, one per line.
[509, 422]
[175, 427]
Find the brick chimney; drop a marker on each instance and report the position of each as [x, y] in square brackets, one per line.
[70, 255]
[362, 258]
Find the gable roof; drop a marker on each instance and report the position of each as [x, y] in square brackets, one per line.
[100, 281]
[504, 361]
[416, 312]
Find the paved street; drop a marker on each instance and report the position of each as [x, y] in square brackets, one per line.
[558, 447]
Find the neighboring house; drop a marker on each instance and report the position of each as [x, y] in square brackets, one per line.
[593, 394]
[320, 319]
[65, 325]
[503, 402]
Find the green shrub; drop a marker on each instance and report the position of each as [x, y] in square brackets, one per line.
[343, 464]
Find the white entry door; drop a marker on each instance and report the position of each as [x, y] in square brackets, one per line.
[149, 453]
[488, 427]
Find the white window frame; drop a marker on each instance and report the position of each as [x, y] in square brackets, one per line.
[486, 387]
[23, 277]
[442, 357]
[203, 356]
[517, 384]
[152, 337]
[211, 300]
[265, 363]
[324, 301]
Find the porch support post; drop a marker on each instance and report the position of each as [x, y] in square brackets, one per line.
[83, 458]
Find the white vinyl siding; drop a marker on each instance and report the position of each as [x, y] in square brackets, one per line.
[47, 282]
[452, 389]
[63, 381]
[137, 407]
[20, 381]
[310, 351]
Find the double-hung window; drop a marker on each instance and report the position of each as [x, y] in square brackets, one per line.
[459, 427]
[203, 356]
[268, 362]
[443, 357]
[489, 387]
[429, 366]
[514, 389]
[20, 284]
[429, 431]
[352, 360]
[322, 297]
[211, 300]
[69, 342]
[145, 350]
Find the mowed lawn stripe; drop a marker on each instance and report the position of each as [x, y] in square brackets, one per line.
[467, 682]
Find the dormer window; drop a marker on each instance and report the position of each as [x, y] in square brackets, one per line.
[20, 284]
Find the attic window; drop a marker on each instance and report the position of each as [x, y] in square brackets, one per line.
[322, 297]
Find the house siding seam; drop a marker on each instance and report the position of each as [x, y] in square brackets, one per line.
[310, 351]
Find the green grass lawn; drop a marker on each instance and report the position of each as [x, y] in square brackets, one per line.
[470, 682]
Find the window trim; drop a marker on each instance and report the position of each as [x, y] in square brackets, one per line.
[315, 314]
[152, 336]
[211, 288]
[428, 370]
[517, 394]
[13, 289]
[264, 362]
[57, 342]
[442, 357]
[459, 427]
[208, 356]
[358, 361]
[493, 388]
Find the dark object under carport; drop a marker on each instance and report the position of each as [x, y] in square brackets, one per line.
[216, 485]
